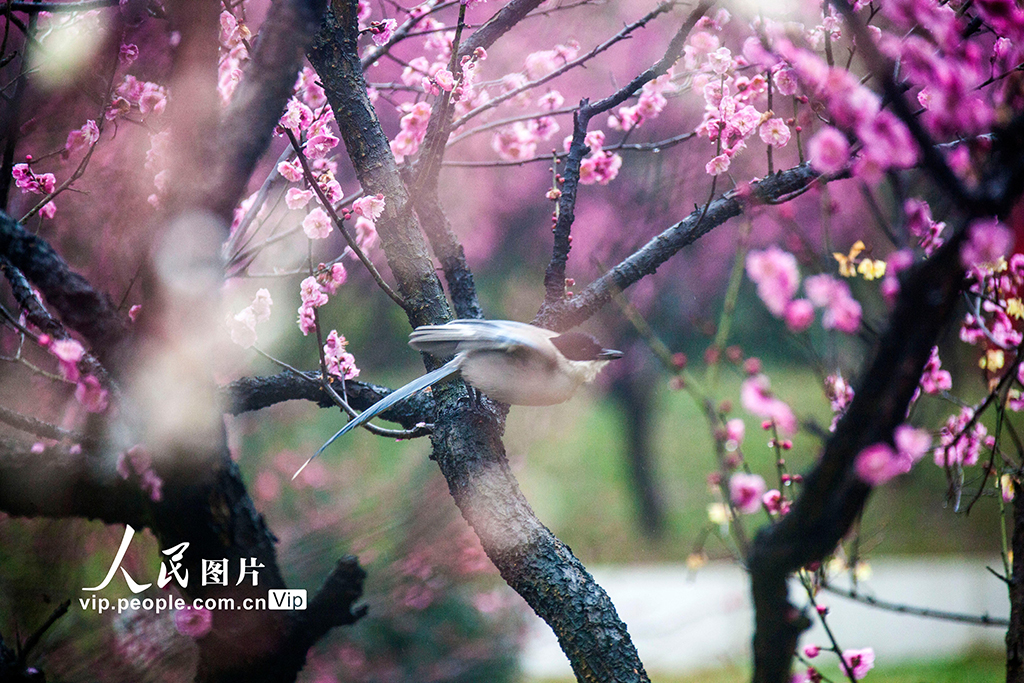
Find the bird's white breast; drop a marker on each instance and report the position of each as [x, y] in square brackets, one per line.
[538, 381]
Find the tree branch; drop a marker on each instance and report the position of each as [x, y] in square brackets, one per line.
[568, 313]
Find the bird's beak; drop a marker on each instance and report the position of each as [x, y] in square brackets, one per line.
[609, 354]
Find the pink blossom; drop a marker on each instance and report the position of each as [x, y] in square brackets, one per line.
[718, 165]
[842, 311]
[267, 486]
[383, 31]
[312, 292]
[49, 210]
[444, 79]
[515, 143]
[799, 314]
[838, 391]
[340, 363]
[317, 224]
[369, 207]
[320, 144]
[91, 394]
[987, 242]
[290, 170]
[26, 179]
[366, 233]
[296, 198]
[828, 150]
[151, 483]
[134, 311]
[83, 137]
[153, 99]
[297, 117]
[957, 444]
[307, 319]
[776, 275]
[811, 651]
[877, 464]
[194, 623]
[550, 101]
[600, 167]
[242, 327]
[772, 501]
[68, 352]
[128, 53]
[735, 430]
[859, 661]
[745, 491]
[261, 304]
[911, 443]
[336, 277]
[756, 397]
[775, 132]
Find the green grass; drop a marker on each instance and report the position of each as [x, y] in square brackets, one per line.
[570, 460]
[976, 667]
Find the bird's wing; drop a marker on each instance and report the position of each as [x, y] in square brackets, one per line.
[396, 396]
[467, 335]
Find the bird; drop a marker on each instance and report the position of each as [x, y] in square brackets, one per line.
[511, 362]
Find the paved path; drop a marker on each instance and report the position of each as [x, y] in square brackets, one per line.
[682, 623]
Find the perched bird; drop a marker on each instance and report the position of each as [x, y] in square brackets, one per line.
[509, 361]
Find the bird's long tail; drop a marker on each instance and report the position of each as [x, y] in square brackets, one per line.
[396, 396]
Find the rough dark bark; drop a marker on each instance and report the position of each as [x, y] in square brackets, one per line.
[1015, 633]
[254, 393]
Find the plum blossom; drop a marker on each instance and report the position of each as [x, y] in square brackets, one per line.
[313, 295]
[842, 311]
[81, 138]
[91, 394]
[877, 464]
[859, 661]
[26, 179]
[128, 53]
[515, 143]
[776, 275]
[921, 225]
[335, 278]
[828, 150]
[757, 398]
[296, 198]
[987, 242]
[136, 461]
[243, 324]
[242, 327]
[413, 126]
[297, 117]
[383, 31]
[718, 165]
[290, 170]
[194, 623]
[774, 132]
[317, 224]
[880, 462]
[600, 167]
[934, 379]
[799, 314]
[745, 491]
[958, 445]
[340, 362]
[68, 352]
[369, 208]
